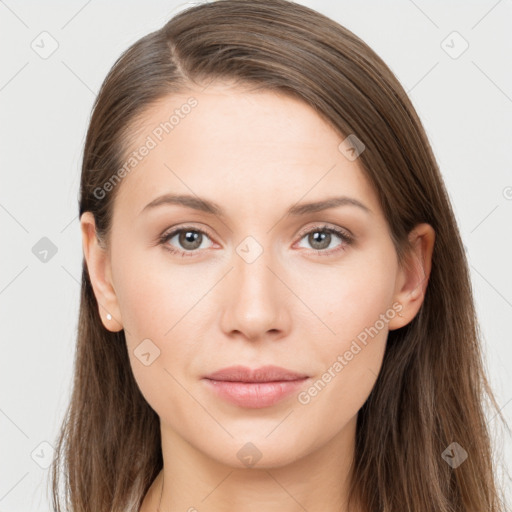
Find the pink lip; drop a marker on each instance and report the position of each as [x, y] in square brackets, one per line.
[261, 387]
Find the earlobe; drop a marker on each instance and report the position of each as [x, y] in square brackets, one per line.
[98, 265]
[412, 279]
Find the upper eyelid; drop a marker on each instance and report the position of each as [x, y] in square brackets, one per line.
[326, 226]
[174, 231]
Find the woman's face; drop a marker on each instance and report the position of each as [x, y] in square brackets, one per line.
[250, 284]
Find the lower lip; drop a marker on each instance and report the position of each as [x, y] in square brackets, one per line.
[255, 395]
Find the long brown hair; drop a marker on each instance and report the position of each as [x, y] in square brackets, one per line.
[432, 388]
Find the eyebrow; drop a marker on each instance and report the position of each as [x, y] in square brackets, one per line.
[207, 206]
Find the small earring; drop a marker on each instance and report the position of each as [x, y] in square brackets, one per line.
[400, 314]
[109, 316]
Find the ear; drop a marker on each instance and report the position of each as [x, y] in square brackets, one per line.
[98, 265]
[412, 277]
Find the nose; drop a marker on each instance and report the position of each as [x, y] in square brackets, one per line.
[256, 301]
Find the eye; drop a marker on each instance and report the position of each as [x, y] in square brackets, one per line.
[189, 238]
[320, 238]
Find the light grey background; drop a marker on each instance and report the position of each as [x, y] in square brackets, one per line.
[465, 104]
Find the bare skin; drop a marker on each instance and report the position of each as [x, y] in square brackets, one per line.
[300, 304]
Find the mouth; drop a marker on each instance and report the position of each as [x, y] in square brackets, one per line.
[254, 389]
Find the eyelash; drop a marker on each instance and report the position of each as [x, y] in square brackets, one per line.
[345, 237]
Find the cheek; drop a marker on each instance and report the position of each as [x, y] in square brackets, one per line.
[347, 298]
[155, 294]
[353, 303]
[158, 303]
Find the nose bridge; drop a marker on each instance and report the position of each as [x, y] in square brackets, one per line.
[256, 304]
[252, 274]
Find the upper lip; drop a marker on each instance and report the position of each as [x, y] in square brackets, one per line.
[267, 373]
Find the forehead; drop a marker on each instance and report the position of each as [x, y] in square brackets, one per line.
[250, 150]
